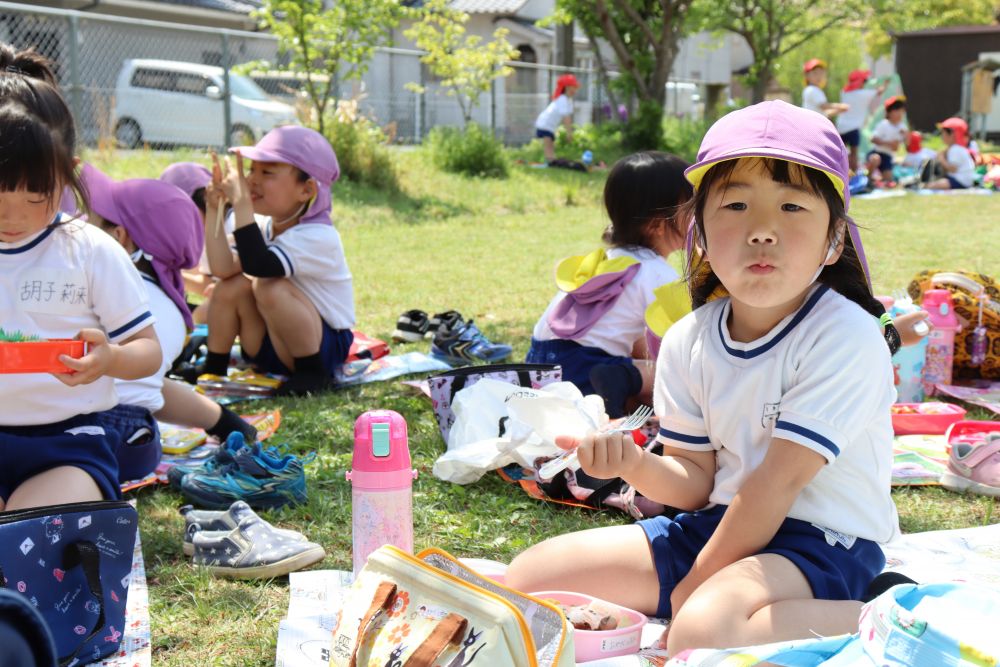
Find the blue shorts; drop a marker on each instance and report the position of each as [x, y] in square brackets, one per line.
[30, 450]
[576, 360]
[833, 572]
[333, 350]
[543, 134]
[851, 138]
[955, 185]
[138, 437]
[887, 163]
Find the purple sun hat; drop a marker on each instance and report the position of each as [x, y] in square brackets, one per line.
[188, 176]
[161, 220]
[781, 131]
[309, 151]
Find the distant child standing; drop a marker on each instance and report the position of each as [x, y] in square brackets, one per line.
[860, 103]
[890, 133]
[773, 403]
[594, 327]
[62, 279]
[286, 291]
[955, 159]
[813, 97]
[559, 111]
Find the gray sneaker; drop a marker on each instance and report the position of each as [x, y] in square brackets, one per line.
[254, 549]
[196, 521]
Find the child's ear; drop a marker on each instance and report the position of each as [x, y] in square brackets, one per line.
[836, 248]
[309, 190]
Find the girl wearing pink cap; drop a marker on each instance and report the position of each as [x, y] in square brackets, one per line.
[60, 278]
[773, 398]
[286, 291]
[955, 159]
[559, 111]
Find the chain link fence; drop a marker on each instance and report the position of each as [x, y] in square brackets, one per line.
[139, 82]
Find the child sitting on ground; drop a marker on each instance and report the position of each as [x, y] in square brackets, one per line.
[594, 327]
[61, 278]
[955, 160]
[773, 403]
[286, 291]
[132, 213]
[887, 137]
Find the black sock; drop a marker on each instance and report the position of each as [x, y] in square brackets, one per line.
[884, 582]
[615, 383]
[216, 363]
[312, 364]
[228, 422]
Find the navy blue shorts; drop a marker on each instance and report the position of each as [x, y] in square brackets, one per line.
[30, 450]
[887, 163]
[576, 360]
[851, 138]
[333, 350]
[542, 134]
[833, 572]
[955, 185]
[138, 437]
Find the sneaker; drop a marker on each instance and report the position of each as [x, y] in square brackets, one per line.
[411, 327]
[196, 521]
[224, 456]
[254, 549]
[974, 468]
[447, 322]
[257, 477]
[466, 345]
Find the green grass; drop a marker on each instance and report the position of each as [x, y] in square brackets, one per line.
[486, 248]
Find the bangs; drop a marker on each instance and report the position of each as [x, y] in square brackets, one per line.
[780, 171]
[31, 157]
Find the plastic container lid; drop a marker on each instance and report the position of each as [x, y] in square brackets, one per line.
[941, 308]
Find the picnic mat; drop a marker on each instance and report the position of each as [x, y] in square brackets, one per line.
[902, 192]
[918, 460]
[981, 393]
[388, 367]
[135, 649]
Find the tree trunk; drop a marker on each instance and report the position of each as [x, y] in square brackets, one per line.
[759, 90]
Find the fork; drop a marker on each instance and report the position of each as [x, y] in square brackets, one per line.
[568, 458]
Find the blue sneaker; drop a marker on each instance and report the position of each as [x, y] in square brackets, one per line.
[467, 344]
[257, 477]
[223, 457]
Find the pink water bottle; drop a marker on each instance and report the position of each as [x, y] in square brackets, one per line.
[941, 340]
[382, 485]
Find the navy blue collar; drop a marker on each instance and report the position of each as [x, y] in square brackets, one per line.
[35, 241]
[774, 338]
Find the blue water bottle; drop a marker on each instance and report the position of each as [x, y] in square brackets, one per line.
[587, 158]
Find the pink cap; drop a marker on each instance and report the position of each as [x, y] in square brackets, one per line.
[188, 176]
[381, 454]
[940, 308]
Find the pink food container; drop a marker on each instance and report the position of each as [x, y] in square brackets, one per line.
[971, 432]
[932, 418]
[626, 639]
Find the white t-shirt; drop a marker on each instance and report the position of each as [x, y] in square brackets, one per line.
[170, 329]
[887, 131]
[860, 104]
[313, 258]
[68, 277]
[558, 109]
[813, 98]
[625, 322]
[959, 155]
[821, 378]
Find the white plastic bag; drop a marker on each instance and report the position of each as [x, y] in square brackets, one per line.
[497, 423]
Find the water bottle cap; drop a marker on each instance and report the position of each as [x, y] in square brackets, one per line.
[380, 443]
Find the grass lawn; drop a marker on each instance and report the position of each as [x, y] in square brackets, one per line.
[487, 249]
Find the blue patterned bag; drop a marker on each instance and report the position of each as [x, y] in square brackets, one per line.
[72, 562]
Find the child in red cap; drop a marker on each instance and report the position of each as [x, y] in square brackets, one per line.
[860, 103]
[559, 110]
[813, 97]
[890, 133]
[955, 159]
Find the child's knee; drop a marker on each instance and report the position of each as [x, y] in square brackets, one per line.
[696, 626]
[526, 571]
[269, 292]
[231, 290]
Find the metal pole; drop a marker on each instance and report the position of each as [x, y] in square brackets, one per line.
[74, 69]
[493, 107]
[227, 112]
[421, 106]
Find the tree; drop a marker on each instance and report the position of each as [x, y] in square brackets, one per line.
[329, 43]
[773, 28]
[645, 37]
[893, 16]
[465, 65]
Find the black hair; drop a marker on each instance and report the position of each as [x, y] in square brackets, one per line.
[302, 176]
[37, 133]
[896, 104]
[846, 275]
[198, 197]
[644, 189]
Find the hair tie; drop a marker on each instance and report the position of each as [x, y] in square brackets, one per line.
[890, 333]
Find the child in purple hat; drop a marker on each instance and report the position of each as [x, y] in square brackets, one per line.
[161, 247]
[286, 291]
[773, 397]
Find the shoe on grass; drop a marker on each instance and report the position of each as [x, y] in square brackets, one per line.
[468, 345]
[974, 468]
[223, 456]
[411, 327]
[254, 549]
[197, 521]
[444, 323]
[256, 476]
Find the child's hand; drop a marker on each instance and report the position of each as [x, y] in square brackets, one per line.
[605, 455]
[908, 326]
[93, 365]
[232, 182]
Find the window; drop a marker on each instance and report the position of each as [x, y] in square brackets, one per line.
[525, 79]
[191, 83]
[155, 79]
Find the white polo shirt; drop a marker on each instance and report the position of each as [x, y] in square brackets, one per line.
[625, 322]
[313, 258]
[960, 156]
[813, 98]
[554, 113]
[68, 277]
[822, 378]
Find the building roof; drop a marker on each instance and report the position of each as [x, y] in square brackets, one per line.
[951, 31]
[479, 6]
[231, 6]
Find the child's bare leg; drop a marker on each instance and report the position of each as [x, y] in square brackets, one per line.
[185, 407]
[294, 325]
[66, 484]
[232, 311]
[613, 563]
[757, 600]
[852, 159]
[939, 184]
[549, 147]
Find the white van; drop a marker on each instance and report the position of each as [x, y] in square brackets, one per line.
[169, 102]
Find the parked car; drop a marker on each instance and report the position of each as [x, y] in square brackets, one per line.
[170, 102]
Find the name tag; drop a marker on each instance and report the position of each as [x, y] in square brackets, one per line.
[53, 291]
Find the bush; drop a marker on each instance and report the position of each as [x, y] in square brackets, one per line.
[682, 136]
[604, 141]
[472, 151]
[361, 149]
